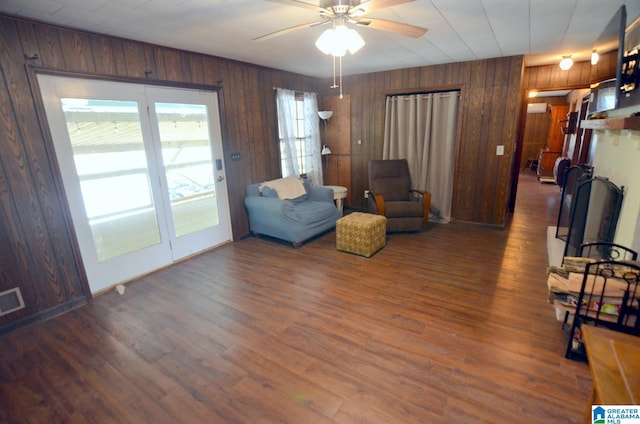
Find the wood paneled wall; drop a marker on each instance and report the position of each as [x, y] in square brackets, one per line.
[38, 249]
[535, 132]
[338, 163]
[537, 126]
[551, 77]
[490, 101]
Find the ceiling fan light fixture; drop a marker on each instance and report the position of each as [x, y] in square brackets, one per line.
[326, 41]
[338, 40]
[353, 40]
[566, 63]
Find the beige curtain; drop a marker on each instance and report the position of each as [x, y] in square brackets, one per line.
[422, 128]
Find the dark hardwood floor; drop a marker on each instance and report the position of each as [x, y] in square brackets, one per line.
[450, 325]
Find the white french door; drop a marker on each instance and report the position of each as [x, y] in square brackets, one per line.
[142, 171]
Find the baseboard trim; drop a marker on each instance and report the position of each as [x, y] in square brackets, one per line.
[43, 315]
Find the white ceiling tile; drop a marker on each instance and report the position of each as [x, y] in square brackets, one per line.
[126, 14]
[458, 30]
[13, 7]
[510, 23]
[74, 14]
[32, 7]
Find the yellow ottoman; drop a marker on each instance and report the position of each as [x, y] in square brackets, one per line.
[361, 233]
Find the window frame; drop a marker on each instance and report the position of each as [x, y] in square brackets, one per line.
[303, 158]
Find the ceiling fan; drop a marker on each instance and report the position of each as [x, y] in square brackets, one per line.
[340, 12]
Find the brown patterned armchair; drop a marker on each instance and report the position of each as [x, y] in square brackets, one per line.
[390, 195]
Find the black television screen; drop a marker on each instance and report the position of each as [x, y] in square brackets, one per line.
[629, 92]
[609, 47]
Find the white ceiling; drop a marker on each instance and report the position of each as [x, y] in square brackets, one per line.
[459, 30]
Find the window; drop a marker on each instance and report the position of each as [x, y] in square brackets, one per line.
[302, 157]
[299, 135]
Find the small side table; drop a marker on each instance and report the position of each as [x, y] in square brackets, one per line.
[339, 194]
[614, 361]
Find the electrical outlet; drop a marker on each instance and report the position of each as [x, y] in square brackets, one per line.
[366, 194]
[500, 150]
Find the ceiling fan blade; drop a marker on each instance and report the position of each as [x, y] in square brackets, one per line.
[392, 26]
[302, 4]
[373, 5]
[288, 30]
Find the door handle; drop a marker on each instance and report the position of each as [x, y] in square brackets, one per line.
[220, 178]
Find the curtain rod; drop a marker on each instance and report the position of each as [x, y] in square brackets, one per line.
[415, 93]
[315, 92]
[406, 96]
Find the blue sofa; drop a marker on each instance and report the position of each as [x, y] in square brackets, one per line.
[293, 220]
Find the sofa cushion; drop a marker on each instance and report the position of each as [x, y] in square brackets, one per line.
[308, 212]
[267, 191]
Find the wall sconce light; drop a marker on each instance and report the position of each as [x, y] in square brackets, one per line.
[594, 57]
[566, 63]
[325, 115]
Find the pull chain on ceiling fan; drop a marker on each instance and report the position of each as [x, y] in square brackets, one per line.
[339, 39]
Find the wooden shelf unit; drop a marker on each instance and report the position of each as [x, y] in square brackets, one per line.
[628, 123]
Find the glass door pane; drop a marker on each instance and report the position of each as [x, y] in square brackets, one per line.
[186, 154]
[111, 165]
[137, 170]
[186, 125]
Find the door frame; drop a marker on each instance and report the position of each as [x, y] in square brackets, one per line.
[32, 72]
[525, 89]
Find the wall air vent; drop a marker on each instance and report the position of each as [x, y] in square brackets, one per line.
[11, 301]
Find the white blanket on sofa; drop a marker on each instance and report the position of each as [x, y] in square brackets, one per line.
[287, 188]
